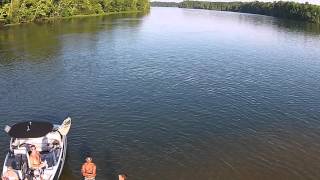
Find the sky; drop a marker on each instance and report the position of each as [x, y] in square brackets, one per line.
[301, 1]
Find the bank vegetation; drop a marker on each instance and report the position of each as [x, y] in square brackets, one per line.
[20, 11]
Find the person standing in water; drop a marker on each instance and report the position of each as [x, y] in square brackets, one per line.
[123, 176]
[89, 169]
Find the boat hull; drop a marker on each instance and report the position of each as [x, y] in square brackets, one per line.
[62, 161]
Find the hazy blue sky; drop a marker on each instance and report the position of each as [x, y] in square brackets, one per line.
[302, 1]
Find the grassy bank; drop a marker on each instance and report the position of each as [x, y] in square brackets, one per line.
[23, 11]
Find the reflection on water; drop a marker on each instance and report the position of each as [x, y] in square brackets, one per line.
[253, 19]
[175, 94]
[42, 41]
[308, 28]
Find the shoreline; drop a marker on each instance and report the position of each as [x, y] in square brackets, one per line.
[69, 17]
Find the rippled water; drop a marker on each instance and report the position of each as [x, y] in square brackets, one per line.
[175, 94]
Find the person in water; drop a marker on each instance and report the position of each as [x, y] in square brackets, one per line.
[123, 176]
[35, 159]
[89, 169]
[10, 174]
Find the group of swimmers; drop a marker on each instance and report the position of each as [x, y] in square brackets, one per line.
[88, 169]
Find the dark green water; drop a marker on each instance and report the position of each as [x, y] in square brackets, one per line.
[175, 94]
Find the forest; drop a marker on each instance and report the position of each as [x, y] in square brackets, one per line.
[20, 11]
[282, 9]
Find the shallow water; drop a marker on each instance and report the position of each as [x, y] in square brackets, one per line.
[174, 94]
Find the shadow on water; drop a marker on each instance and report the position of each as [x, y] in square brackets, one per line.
[257, 20]
[305, 27]
[282, 24]
[85, 151]
[41, 41]
[107, 166]
[110, 168]
[67, 171]
[74, 172]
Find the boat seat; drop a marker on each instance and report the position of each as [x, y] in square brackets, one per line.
[41, 144]
[49, 157]
[54, 136]
[17, 158]
[21, 150]
[14, 161]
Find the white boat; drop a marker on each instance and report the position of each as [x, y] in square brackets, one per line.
[51, 142]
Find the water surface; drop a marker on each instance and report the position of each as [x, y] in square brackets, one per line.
[175, 94]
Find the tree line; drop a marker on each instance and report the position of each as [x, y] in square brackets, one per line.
[164, 4]
[282, 9]
[19, 11]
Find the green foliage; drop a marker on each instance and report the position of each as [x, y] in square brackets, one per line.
[143, 5]
[282, 9]
[4, 11]
[19, 11]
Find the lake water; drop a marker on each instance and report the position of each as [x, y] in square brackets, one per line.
[175, 94]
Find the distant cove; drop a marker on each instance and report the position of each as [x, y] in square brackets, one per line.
[282, 9]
